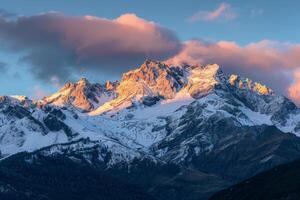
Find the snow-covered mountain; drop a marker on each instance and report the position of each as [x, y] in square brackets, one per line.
[194, 117]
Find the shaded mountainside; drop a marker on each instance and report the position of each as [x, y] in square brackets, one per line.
[59, 178]
[279, 183]
[81, 174]
[176, 132]
[259, 149]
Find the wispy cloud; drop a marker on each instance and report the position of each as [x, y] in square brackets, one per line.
[256, 12]
[224, 11]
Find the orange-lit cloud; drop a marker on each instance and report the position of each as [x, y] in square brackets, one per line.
[224, 11]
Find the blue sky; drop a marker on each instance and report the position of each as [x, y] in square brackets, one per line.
[250, 22]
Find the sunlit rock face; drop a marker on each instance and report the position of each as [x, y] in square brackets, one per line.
[111, 86]
[152, 78]
[247, 84]
[156, 79]
[203, 79]
[82, 95]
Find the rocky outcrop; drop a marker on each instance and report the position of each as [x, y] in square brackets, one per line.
[54, 122]
[152, 78]
[82, 95]
[204, 79]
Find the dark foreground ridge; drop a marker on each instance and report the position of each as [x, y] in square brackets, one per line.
[279, 183]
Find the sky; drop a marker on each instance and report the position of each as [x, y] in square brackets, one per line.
[45, 43]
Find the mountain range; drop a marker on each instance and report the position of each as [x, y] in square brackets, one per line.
[162, 131]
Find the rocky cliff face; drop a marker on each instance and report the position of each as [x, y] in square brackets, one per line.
[152, 79]
[82, 95]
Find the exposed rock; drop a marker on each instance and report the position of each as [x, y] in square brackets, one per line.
[203, 79]
[149, 101]
[16, 111]
[111, 86]
[53, 122]
[152, 78]
[82, 95]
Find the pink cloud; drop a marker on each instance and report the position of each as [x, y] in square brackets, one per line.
[55, 41]
[269, 62]
[294, 88]
[224, 11]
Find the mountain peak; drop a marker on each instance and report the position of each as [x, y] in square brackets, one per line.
[148, 67]
[203, 79]
[152, 78]
[153, 64]
[245, 83]
[110, 86]
[83, 81]
[82, 95]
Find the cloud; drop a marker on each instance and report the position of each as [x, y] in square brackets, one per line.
[294, 88]
[57, 45]
[54, 80]
[223, 12]
[269, 62]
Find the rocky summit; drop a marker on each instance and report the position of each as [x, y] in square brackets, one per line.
[168, 132]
